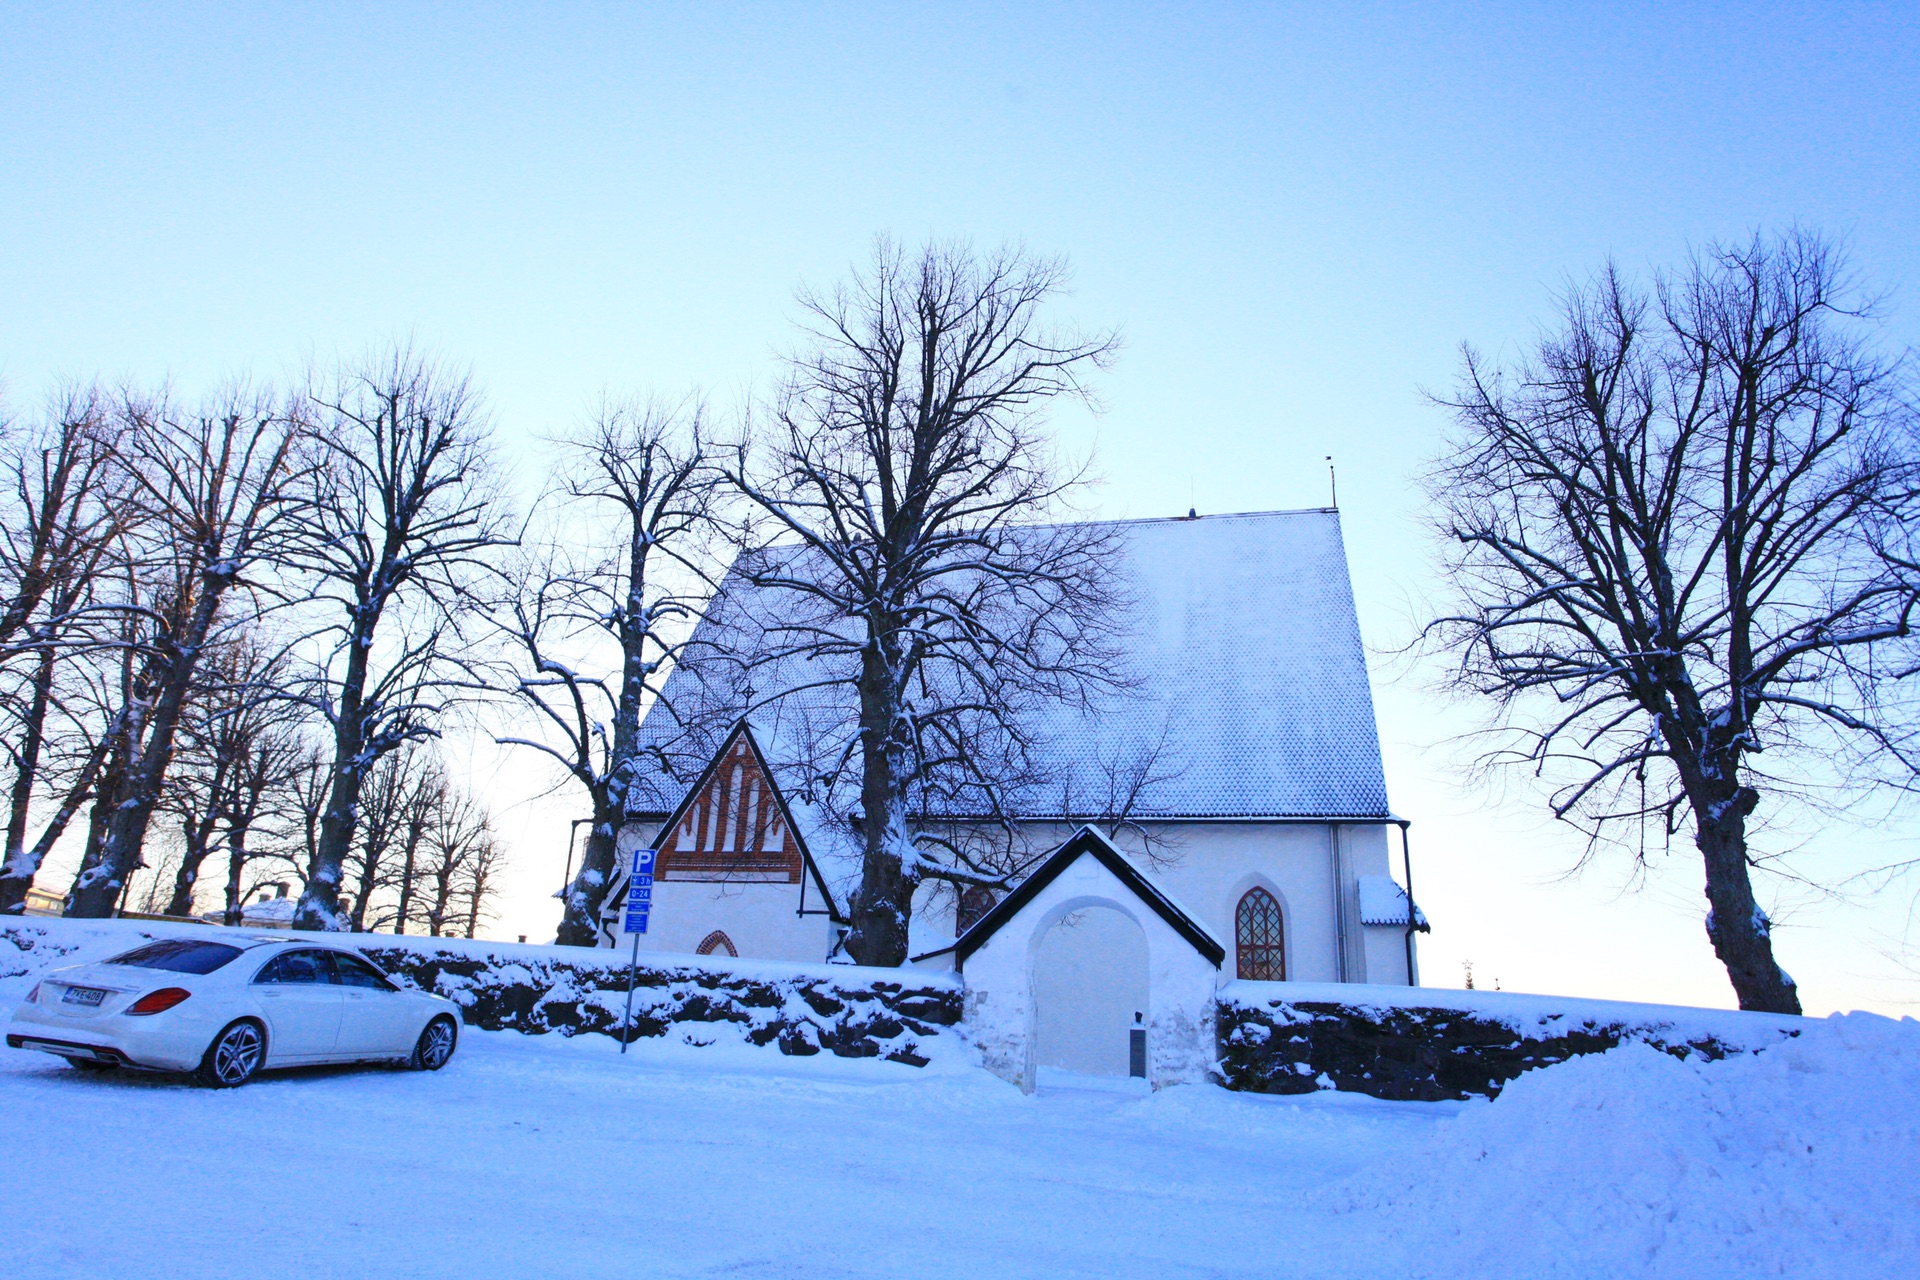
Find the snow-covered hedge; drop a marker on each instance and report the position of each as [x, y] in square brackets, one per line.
[800, 1009]
[1424, 1044]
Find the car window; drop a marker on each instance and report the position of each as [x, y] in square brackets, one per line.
[178, 955]
[297, 967]
[352, 971]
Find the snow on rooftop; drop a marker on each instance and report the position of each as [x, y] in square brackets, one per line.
[1251, 696]
[270, 911]
[1383, 901]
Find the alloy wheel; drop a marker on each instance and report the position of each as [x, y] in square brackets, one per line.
[436, 1044]
[237, 1054]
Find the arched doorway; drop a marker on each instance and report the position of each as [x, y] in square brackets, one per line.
[1259, 935]
[1089, 986]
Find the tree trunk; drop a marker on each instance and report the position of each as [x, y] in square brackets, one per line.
[406, 890]
[320, 901]
[1740, 932]
[369, 880]
[416, 832]
[123, 734]
[197, 846]
[882, 907]
[587, 895]
[97, 890]
[16, 877]
[236, 867]
[473, 905]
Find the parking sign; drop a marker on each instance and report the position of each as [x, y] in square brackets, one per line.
[639, 906]
[639, 892]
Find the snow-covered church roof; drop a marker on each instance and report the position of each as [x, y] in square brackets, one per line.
[1249, 696]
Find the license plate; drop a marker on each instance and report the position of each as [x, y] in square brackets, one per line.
[88, 996]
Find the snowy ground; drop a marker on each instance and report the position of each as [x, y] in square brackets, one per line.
[538, 1156]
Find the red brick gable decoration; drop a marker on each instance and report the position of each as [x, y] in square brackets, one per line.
[732, 825]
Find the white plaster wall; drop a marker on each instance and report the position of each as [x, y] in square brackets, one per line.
[762, 920]
[1089, 983]
[1207, 867]
[1180, 982]
[1387, 955]
[931, 926]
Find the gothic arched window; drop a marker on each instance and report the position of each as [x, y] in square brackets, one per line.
[974, 903]
[715, 941]
[1260, 952]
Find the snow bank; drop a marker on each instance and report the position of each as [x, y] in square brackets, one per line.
[1800, 1159]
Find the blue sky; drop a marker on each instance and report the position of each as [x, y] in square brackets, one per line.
[1295, 216]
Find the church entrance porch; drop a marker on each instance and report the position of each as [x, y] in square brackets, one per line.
[1088, 967]
[1090, 992]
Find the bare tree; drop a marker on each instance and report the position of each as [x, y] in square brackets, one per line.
[422, 807]
[906, 462]
[592, 620]
[59, 526]
[240, 745]
[1119, 787]
[309, 783]
[60, 517]
[404, 514]
[458, 836]
[274, 779]
[478, 883]
[1679, 538]
[397, 805]
[214, 491]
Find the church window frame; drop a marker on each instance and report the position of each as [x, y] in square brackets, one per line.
[714, 942]
[1259, 937]
[974, 902]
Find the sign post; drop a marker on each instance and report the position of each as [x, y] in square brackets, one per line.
[639, 906]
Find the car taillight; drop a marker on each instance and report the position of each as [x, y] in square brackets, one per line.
[158, 1001]
[33, 996]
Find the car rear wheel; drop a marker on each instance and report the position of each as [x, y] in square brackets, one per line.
[234, 1057]
[435, 1046]
[93, 1064]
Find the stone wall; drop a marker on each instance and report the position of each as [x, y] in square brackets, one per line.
[850, 1012]
[1409, 1050]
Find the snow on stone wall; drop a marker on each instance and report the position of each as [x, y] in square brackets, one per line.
[851, 1012]
[800, 1009]
[1413, 1043]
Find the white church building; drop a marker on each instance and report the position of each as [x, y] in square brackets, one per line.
[1255, 842]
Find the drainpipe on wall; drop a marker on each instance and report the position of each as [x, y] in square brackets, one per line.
[1336, 865]
[1406, 859]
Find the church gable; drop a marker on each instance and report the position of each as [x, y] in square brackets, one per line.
[1086, 842]
[732, 824]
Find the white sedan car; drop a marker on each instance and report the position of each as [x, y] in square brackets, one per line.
[227, 1008]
